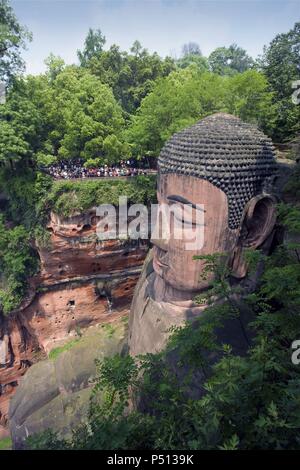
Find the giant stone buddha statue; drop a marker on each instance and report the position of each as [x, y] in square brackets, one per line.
[222, 165]
[227, 166]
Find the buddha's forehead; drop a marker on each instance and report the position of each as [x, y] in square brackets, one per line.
[232, 155]
[192, 189]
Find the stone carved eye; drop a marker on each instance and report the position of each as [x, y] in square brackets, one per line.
[185, 212]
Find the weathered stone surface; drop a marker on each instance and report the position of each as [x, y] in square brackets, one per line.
[81, 283]
[75, 250]
[55, 394]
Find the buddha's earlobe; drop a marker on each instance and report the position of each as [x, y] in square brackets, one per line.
[258, 223]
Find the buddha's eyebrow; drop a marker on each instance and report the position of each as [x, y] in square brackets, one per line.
[182, 200]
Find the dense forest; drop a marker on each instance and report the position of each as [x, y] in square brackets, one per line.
[114, 105]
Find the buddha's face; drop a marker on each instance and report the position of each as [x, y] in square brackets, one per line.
[173, 256]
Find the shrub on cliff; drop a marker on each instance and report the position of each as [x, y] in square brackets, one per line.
[26, 193]
[26, 212]
[68, 197]
[17, 263]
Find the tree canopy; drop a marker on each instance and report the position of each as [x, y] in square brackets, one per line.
[93, 46]
[281, 65]
[191, 48]
[130, 75]
[83, 118]
[196, 59]
[21, 126]
[229, 60]
[13, 38]
[117, 102]
[187, 95]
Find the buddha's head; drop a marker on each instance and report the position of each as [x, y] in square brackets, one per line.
[226, 167]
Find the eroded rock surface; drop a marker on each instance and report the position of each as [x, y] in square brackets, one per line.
[81, 283]
[55, 393]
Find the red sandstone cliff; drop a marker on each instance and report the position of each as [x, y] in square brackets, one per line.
[82, 282]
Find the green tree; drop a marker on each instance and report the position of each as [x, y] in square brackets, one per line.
[17, 263]
[13, 38]
[176, 102]
[229, 60]
[114, 149]
[131, 75]
[55, 65]
[93, 46]
[247, 96]
[196, 59]
[191, 48]
[187, 95]
[80, 113]
[280, 63]
[21, 126]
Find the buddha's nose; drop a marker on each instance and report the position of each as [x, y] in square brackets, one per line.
[160, 236]
[160, 231]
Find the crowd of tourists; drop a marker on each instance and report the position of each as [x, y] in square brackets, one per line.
[70, 169]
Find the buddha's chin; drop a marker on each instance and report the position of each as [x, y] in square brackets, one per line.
[168, 290]
[163, 291]
[168, 279]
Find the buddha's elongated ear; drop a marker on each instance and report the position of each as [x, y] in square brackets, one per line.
[258, 222]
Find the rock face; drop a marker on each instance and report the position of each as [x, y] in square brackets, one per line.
[76, 251]
[81, 283]
[55, 393]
